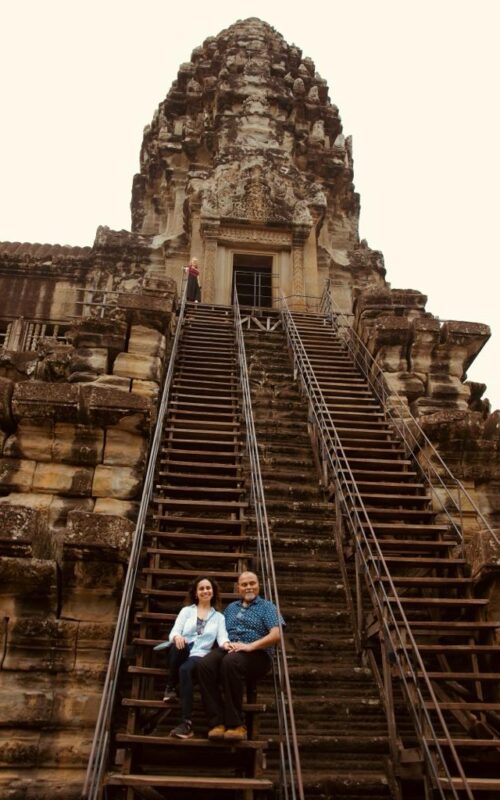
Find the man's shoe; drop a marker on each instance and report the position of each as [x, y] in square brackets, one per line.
[238, 734]
[217, 732]
[183, 731]
[169, 694]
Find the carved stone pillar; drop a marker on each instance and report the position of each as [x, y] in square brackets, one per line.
[300, 235]
[210, 232]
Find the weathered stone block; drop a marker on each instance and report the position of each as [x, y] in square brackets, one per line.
[42, 784]
[91, 589]
[17, 474]
[124, 448]
[63, 479]
[23, 748]
[18, 522]
[40, 400]
[103, 531]
[148, 389]
[6, 390]
[100, 333]
[77, 444]
[94, 645]
[62, 506]
[138, 366]
[29, 587]
[122, 508]
[31, 440]
[121, 482]
[35, 501]
[28, 699]
[146, 341]
[47, 645]
[90, 359]
[114, 381]
[104, 407]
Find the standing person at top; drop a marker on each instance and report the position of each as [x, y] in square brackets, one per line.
[197, 627]
[193, 294]
[253, 629]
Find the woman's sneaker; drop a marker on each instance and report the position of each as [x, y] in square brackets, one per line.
[183, 731]
[169, 694]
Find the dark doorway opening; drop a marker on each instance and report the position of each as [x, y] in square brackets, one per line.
[252, 278]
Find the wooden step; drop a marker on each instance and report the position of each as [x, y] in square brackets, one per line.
[170, 741]
[460, 649]
[393, 499]
[441, 602]
[189, 782]
[174, 554]
[410, 514]
[137, 702]
[461, 676]
[193, 477]
[416, 562]
[167, 572]
[406, 528]
[414, 545]
[464, 743]
[214, 491]
[177, 594]
[225, 467]
[229, 505]
[428, 581]
[201, 522]
[198, 456]
[456, 627]
[201, 538]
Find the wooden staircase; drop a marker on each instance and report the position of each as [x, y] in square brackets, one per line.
[341, 726]
[197, 525]
[426, 577]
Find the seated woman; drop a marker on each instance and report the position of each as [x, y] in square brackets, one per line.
[197, 627]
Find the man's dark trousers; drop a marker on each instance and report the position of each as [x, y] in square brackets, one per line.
[229, 672]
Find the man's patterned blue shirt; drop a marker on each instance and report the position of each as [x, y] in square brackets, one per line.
[247, 624]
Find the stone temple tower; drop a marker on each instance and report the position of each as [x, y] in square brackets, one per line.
[245, 167]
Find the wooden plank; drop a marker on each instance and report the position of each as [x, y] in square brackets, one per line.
[236, 539]
[475, 784]
[133, 702]
[188, 782]
[197, 554]
[170, 741]
[231, 505]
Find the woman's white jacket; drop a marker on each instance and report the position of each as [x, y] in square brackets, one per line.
[215, 630]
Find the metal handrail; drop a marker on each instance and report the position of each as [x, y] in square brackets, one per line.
[100, 745]
[291, 783]
[396, 409]
[398, 635]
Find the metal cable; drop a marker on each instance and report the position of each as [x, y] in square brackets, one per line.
[355, 512]
[289, 751]
[100, 745]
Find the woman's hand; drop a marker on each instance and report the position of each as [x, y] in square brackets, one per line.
[179, 642]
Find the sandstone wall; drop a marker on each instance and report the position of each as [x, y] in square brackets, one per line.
[76, 414]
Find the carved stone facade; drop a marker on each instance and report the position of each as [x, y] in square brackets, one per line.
[248, 141]
[245, 155]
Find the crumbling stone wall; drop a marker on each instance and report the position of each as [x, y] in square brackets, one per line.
[76, 415]
[425, 361]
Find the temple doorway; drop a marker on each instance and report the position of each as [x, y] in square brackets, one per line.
[252, 278]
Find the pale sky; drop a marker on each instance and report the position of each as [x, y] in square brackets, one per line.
[417, 88]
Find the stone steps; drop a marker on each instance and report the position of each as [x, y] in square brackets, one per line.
[340, 721]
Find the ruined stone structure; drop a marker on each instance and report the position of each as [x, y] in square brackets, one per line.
[246, 167]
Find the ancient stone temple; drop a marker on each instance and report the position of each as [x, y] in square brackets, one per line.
[386, 563]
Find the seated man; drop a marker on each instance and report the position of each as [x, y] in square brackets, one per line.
[253, 630]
